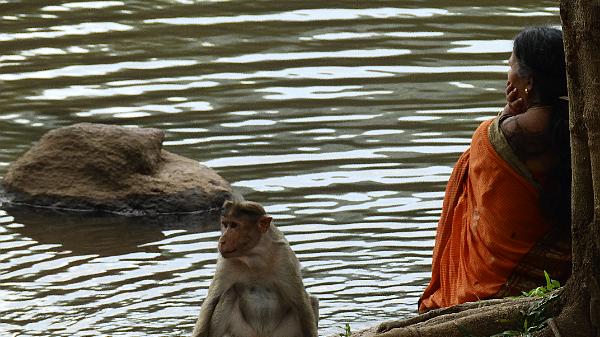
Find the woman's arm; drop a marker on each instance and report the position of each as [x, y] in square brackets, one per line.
[527, 133]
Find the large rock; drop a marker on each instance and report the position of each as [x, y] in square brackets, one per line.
[114, 169]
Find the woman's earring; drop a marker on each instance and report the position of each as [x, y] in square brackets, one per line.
[526, 91]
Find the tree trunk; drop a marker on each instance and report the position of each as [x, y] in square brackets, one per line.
[581, 311]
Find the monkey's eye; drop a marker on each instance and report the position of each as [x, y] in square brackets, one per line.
[227, 224]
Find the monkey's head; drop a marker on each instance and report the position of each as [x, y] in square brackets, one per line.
[242, 225]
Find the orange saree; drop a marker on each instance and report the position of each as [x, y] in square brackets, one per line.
[491, 220]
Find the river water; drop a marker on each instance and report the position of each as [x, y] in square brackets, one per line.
[344, 118]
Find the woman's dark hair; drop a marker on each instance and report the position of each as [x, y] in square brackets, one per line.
[539, 52]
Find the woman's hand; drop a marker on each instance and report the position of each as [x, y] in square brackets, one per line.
[514, 104]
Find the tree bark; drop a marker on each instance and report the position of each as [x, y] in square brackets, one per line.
[581, 299]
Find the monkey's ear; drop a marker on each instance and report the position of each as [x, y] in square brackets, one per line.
[264, 223]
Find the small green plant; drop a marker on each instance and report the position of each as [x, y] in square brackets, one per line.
[347, 332]
[543, 290]
[534, 319]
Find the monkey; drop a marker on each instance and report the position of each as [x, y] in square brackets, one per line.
[257, 289]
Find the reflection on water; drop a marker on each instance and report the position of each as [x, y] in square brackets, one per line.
[344, 120]
[83, 235]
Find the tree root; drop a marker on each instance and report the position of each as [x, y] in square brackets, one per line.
[554, 327]
[484, 321]
[482, 318]
[386, 326]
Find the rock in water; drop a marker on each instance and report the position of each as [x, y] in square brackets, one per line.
[113, 169]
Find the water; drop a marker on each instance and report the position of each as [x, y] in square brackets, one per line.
[343, 118]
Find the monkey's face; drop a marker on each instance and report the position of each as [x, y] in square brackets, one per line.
[238, 236]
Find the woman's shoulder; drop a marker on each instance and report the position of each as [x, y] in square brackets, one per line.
[528, 134]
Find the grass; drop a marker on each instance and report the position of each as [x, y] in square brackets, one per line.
[346, 331]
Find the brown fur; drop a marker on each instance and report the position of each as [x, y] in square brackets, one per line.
[257, 290]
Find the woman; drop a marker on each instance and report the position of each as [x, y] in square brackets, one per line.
[506, 212]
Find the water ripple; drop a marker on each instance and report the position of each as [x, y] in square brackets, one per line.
[344, 122]
[97, 69]
[307, 15]
[85, 28]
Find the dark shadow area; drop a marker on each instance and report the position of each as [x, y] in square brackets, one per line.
[92, 233]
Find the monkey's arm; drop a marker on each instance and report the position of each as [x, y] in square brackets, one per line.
[305, 304]
[314, 303]
[306, 315]
[206, 311]
[202, 327]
